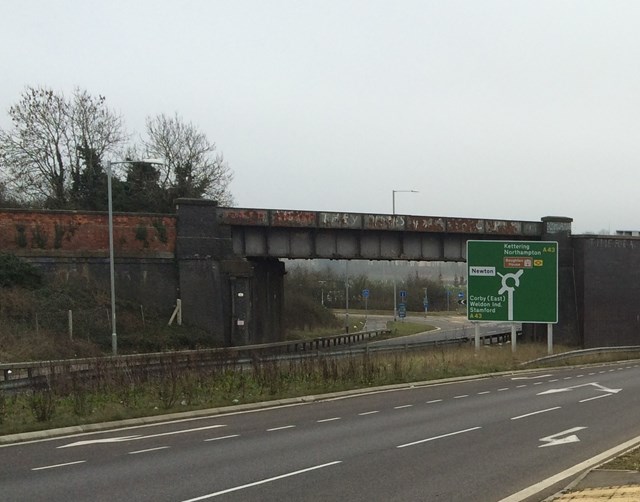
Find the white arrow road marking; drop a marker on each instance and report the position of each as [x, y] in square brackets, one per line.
[135, 438]
[568, 389]
[531, 377]
[97, 441]
[556, 439]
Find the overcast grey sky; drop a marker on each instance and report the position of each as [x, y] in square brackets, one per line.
[490, 109]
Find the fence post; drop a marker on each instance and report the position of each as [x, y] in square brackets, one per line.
[70, 325]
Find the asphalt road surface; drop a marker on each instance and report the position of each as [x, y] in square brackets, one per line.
[484, 439]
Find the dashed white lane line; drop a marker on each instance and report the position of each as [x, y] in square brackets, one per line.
[552, 380]
[434, 401]
[484, 392]
[438, 437]
[520, 386]
[538, 383]
[503, 389]
[261, 482]
[368, 413]
[461, 396]
[222, 437]
[535, 413]
[148, 450]
[328, 420]
[403, 406]
[567, 378]
[57, 465]
[281, 428]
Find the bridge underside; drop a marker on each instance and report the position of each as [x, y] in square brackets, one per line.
[341, 245]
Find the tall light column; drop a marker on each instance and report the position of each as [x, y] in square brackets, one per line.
[112, 272]
[393, 208]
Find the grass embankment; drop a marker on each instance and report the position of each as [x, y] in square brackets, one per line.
[128, 392]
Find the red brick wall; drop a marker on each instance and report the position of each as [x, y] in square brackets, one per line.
[62, 233]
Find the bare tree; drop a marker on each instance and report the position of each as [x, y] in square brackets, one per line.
[192, 167]
[43, 152]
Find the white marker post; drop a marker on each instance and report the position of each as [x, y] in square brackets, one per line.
[549, 339]
[477, 335]
[513, 338]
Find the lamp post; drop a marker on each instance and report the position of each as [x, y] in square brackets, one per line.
[112, 275]
[393, 207]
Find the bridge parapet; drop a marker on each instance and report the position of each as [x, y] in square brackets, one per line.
[367, 221]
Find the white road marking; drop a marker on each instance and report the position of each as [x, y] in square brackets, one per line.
[536, 413]
[485, 392]
[568, 389]
[520, 386]
[403, 406]
[503, 389]
[438, 437]
[571, 471]
[257, 483]
[136, 438]
[538, 383]
[281, 428]
[328, 420]
[531, 377]
[368, 413]
[148, 450]
[557, 438]
[434, 401]
[552, 380]
[58, 465]
[461, 397]
[222, 437]
[567, 378]
[597, 397]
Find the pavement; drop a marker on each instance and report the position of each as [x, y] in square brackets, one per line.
[601, 484]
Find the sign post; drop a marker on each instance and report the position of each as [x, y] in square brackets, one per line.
[512, 281]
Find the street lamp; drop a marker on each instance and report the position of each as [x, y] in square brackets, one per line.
[112, 275]
[393, 207]
[393, 197]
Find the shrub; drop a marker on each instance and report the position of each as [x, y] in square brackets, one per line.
[15, 272]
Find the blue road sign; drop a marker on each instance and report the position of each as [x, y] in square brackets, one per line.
[365, 293]
[461, 295]
[403, 293]
[402, 310]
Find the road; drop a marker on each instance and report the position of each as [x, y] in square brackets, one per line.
[482, 440]
[448, 328]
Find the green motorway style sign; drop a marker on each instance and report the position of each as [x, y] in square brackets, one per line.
[512, 281]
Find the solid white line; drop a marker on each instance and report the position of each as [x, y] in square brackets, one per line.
[329, 420]
[438, 437]
[281, 428]
[597, 397]
[434, 401]
[148, 450]
[571, 471]
[368, 413]
[403, 406]
[536, 413]
[57, 465]
[222, 437]
[257, 483]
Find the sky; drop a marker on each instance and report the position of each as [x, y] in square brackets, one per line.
[500, 109]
